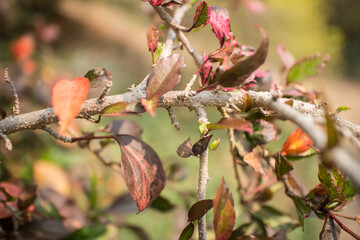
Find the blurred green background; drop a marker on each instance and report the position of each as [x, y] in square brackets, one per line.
[73, 36]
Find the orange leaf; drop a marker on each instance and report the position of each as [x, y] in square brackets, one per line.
[22, 47]
[150, 105]
[67, 98]
[254, 161]
[298, 142]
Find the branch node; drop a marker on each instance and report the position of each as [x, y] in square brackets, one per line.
[172, 116]
[55, 134]
[8, 144]
[16, 109]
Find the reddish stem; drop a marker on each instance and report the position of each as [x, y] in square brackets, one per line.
[76, 139]
[345, 228]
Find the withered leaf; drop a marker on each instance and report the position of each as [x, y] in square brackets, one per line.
[185, 149]
[201, 145]
[142, 170]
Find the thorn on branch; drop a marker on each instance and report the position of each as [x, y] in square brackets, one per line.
[16, 110]
[172, 116]
[8, 144]
[55, 134]
[104, 92]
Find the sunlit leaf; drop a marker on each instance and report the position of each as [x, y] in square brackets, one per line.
[150, 105]
[298, 142]
[158, 52]
[201, 145]
[124, 126]
[307, 67]
[199, 209]
[224, 212]
[202, 15]
[142, 170]
[238, 124]
[185, 149]
[187, 233]
[152, 38]
[282, 166]
[67, 98]
[164, 76]
[243, 69]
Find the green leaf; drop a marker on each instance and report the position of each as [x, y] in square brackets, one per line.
[327, 181]
[162, 204]
[202, 15]
[215, 144]
[203, 127]
[158, 51]
[187, 233]
[282, 166]
[333, 137]
[116, 109]
[342, 109]
[307, 67]
[302, 209]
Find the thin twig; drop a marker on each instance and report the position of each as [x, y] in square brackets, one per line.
[169, 20]
[8, 144]
[191, 83]
[104, 92]
[343, 216]
[55, 134]
[172, 116]
[203, 173]
[345, 228]
[13, 90]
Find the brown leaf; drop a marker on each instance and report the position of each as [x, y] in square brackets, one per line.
[199, 209]
[125, 127]
[201, 145]
[185, 149]
[164, 76]
[224, 212]
[67, 98]
[243, 69]
[238, 124]
[142, 170]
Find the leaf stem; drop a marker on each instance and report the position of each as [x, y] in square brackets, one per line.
[345, 228]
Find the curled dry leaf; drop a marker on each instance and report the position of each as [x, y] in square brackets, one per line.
[164, 75]
[125, 127]
[67, 98]
[298, 142]
[224, 212]
[201, 145]
[243, 69]
[185, 149]
[142, 170]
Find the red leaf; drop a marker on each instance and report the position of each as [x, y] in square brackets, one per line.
[11, 190]
[150, 105]
[67, 98]
[220, 23]
[202, 15]
[142, 170]
[205, 69]
[298, 142]
[164, 76]
[254, 160]
[243, 69]
[238, 124]
[224, 212]
[152, 38]
[154, 2]
[22, 47]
